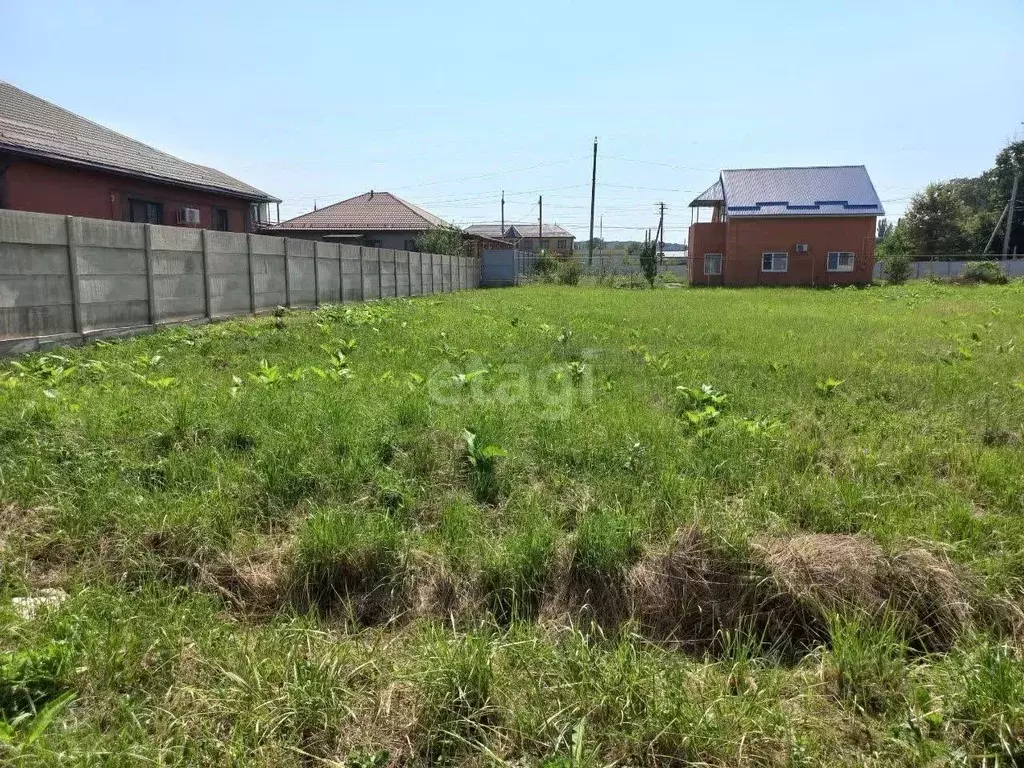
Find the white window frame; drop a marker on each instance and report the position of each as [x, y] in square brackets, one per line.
[717, 256]
[839, 257]
[775, 255]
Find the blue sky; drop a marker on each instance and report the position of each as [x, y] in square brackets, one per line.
[448, 103]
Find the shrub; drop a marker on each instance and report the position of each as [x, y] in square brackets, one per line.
[442, 240]
[29, 678]
[570, 273]
[984, 272]
[546, 266]
[898, 268]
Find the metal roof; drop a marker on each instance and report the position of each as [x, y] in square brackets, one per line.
[370, 212]
[520, 230]
[842, 190]
[33, 126]
[711, 195]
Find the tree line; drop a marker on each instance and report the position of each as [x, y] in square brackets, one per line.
[958, 216]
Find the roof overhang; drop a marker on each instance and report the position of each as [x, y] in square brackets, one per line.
[79, 163]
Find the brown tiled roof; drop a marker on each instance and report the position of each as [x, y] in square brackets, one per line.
[524, 230]
[371, 212]
[32, 126]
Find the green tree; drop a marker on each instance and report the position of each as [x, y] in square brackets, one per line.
[934, 221]
[648, 256]
[442, 240]
[894, 242]
[885, 228]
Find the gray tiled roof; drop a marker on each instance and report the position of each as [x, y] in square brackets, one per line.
[713, 194]
[370, 212]
[524, 230]
[842, 190]
[33, 126]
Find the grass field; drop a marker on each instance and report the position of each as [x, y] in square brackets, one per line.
[534, 526]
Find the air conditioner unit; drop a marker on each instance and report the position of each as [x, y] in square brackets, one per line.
[801, 248]
[188, 216]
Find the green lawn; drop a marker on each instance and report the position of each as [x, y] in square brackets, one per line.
[544, 525]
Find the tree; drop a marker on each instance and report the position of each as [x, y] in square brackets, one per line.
[442, 240]
[648, 255]
[934, 221]
[885, 228]
[894, 242]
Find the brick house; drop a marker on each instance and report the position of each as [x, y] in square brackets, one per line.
[54, 161]
[376, 219]
[785, 226]
[528, 237]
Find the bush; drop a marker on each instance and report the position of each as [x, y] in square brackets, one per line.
[984, 272]
[898, 268]
[29, 678]
[442, 240]
[570, 273]
[546, 266]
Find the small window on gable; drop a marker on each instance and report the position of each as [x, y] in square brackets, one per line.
[840, 261]
[774, 262]
[712, 263]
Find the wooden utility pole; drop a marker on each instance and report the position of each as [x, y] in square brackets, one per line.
[992, 237]
[503, 213]
[593, 190]
[661, 232]
[1009, 213]
[540, 224]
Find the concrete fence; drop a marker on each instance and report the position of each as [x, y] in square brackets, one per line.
[943, 266]
[64, 280]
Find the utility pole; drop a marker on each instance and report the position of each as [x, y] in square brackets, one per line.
[661, 232]
[593, 190]
[1009, 213]
[540, 224]
[503, 213]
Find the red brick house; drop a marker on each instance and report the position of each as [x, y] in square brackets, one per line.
[54, 161]
[785, 226]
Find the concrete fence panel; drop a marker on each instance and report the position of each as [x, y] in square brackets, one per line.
[351, 273]
[113, 287]
[178, 279]
[327, 272]
[35, 278]
[268, 279]
[227, 264]
[372, 273]
[301, 273]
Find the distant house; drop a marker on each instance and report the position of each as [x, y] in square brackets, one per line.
[526, 237]
[54, 161]
[377, 219]
[786, 226]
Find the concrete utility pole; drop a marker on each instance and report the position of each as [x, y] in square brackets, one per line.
[661, 232]
[540, 224]
[593, 190]
[503, 213]
[1009, 213]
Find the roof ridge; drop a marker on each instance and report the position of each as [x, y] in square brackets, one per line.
[793, 167]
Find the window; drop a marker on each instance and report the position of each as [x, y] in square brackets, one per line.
[410, 245]
[712, 263]
[561, 244]
[840, 261]
[145, 212]
[221, 222]
[545, 244]
[374, 242]
[774, 262]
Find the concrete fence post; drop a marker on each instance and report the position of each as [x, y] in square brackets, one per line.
[449, 273]
[431, 274]
[287, 273]
[316, 274]
[207, 292]
[147, 246]
[408, 270]
[362, 279]
[76, 289]
[394, 268]
[341, 277]
[380, 276]
[252, 274]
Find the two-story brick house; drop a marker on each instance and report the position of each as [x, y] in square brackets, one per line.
[786, 226]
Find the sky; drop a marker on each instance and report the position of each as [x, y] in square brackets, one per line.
[446, 104]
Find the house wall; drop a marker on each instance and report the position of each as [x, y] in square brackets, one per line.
[745, 240]
[705, 238]
[29, 185]
[388, 238]
[534, 244]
